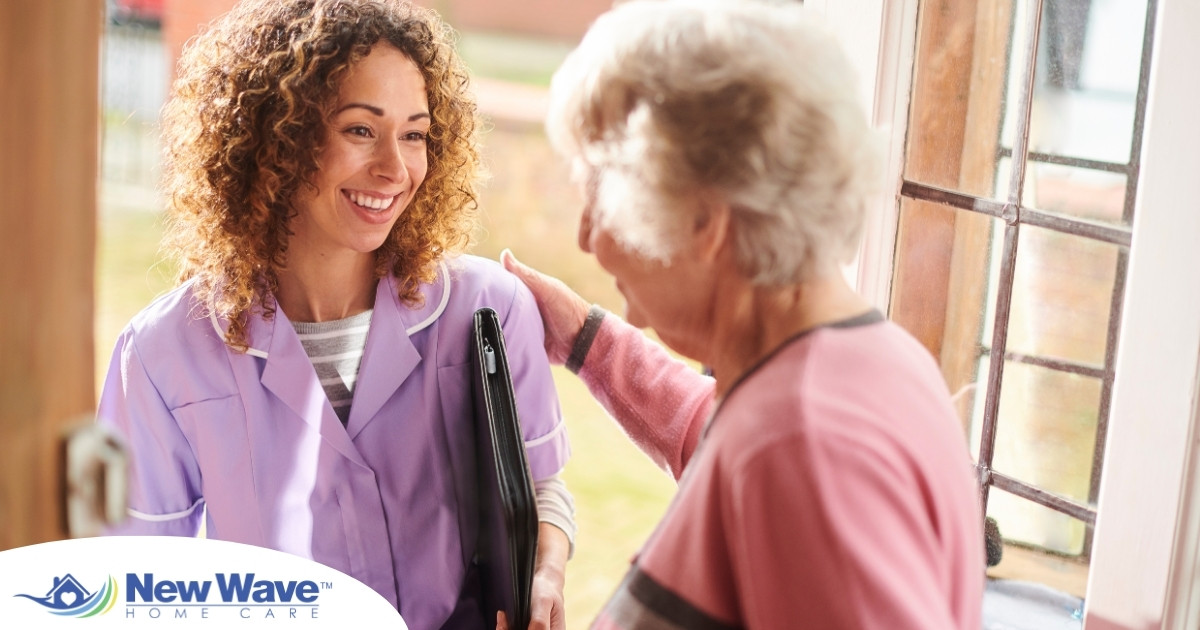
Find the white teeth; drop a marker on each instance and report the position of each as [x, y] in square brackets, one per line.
[373, 203]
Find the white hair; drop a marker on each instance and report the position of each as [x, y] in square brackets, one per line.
[666, 100]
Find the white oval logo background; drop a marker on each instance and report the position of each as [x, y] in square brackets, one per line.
[169, 582]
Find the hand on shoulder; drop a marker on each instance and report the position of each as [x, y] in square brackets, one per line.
[563, 310]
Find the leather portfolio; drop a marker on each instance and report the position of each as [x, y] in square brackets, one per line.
[508, 527]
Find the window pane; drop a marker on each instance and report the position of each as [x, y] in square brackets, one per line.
[1028, 523]
[1077, 192]
[958, 94]
[1062, 295]
[940, 290]
[1020, 562]
[1085, 94]
[1045, 437]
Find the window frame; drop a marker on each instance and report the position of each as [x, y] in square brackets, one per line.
[1144, 571]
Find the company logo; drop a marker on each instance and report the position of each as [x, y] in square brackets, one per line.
[68, 598]
[148, 595]
[197, 582]
[231, 588]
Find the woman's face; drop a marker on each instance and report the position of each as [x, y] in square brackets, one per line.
[674, 298]
[372, 162]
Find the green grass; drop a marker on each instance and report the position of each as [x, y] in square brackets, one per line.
[129, 273]
[530, 207]
[619, 496]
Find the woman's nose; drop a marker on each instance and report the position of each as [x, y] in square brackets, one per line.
[389, 161]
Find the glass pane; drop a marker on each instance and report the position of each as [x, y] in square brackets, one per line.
[1015, 82]
[940, 289]
[1022, 562]
[1045, 436]
[958, 94]
[1078, 192]
[1085, 94]
[1062, 296]
[972, 402]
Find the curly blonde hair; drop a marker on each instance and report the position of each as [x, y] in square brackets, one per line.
[245, 125]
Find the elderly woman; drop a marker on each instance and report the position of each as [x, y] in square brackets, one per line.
[307, 387]
[823, 478]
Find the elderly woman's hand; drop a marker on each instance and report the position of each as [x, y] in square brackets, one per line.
[563, 310]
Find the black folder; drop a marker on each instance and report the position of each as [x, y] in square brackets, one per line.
[508, 525]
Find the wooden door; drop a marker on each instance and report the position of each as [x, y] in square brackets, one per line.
[49, 151]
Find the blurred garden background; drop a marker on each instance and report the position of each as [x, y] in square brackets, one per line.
[527, 205]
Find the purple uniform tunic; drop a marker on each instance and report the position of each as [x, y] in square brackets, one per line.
[251, 443]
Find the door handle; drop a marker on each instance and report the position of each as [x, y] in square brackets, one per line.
[97, 480]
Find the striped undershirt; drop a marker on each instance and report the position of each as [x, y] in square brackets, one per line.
[335, 349]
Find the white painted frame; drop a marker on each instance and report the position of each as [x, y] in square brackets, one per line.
[880, 38]
[1145, 570]
[1144, 559]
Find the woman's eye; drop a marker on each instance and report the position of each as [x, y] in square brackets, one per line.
[416, 136]
[360, 131]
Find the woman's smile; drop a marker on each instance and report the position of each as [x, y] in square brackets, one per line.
[370, 201]
[372, 208]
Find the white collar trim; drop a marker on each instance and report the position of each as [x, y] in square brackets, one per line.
[255, 352]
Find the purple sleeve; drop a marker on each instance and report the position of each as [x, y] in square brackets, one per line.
[660, 402]
[164, 480]
[546, 443]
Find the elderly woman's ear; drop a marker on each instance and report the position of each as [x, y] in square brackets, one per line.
[713, 229]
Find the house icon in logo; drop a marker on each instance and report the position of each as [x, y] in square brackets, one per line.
[67, 597]
[67, 592]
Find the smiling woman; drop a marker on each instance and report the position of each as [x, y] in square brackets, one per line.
[306, 386]
[373, 161]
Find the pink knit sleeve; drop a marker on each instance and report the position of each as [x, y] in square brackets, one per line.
[660, 402]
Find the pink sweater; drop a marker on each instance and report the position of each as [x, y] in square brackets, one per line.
[833, 488]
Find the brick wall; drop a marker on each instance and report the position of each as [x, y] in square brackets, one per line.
[182, 19]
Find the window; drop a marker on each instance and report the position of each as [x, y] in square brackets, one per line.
[1020, 173]
[1082, 221]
